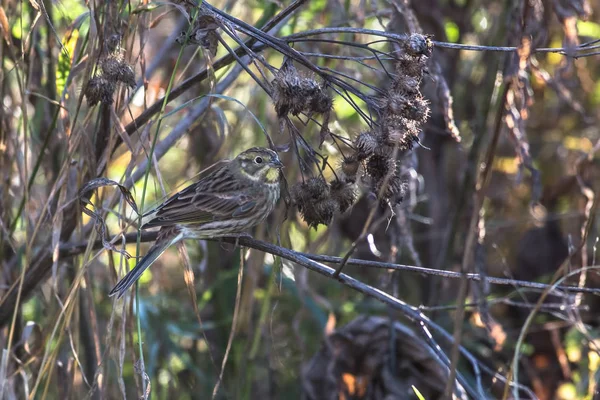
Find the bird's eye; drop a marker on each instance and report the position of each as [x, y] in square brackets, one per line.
[258, 160]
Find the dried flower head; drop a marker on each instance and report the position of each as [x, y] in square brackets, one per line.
[126, 75]
[379, 166]
[419, 45]
[406, 84]
[115, 69]
[99, 89]
[295, 94]
[408, 65]
[344, 193]
[316, 188]
[311, 190]
[110, 67]
[113, 42]
[314, 201]
[400, 131]
[395, 189]
[366, 143]
[413, 107]
[417, 109]
[321, 213]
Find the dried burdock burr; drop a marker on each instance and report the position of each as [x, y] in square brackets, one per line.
[316, 188]
[418, 45]
[115, 69]
[99, 89]
[366, 143]
[406, 84]
[110, 67]
[322, 212]
[126, 75]
[295, 94]
[378, 166]
[395, 188]
[412, 107]
[400, 131]
[417, 110]
[113, 42]
[344, 193]
[314, 201]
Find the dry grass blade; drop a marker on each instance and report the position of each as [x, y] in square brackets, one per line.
[364, 109]
[99, 221]
[236, 311]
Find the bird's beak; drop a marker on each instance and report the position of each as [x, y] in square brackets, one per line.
[276, 163]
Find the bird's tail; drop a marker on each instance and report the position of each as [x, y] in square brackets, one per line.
[162, 243]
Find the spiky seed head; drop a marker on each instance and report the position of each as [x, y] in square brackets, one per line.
[99, 89]
[366, 143]
[320, 212]
[295, 94]
[406, 84]
[396, 188]
[417, 110]
[407, 65]
[314, 202]
[349, 168]
[325, 210]
[115, 69]
[126, 75]
[413, 107]
[418, 45]
[317, 188]
[113, 42]
[344, 193]
[311, 190]
[110, 67]
[400, 131]
[378, 166]
[395, 102]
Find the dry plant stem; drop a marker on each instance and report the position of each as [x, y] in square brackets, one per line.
[41, 265]
[182, 126]
[410, 312]
[27, 256]
[303, 260]
[30, 273]
[367, 225]
[202, 75]
[236, 312]
[146, 389]
[469, 252]
[70, 250]
[451, 237]
[514, 371]
[590, 197]
[361, 237]
[456, 46]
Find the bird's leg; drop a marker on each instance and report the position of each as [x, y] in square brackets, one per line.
[237, 237]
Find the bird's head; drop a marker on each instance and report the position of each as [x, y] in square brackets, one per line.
[260, 164]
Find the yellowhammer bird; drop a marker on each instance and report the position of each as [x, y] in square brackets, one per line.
[234, 196]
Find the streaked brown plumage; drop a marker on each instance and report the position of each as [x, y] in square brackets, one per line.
[235, 195]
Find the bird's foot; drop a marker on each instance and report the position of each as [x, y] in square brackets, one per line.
[237, 237]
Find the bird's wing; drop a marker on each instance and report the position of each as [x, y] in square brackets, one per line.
[216, 197]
